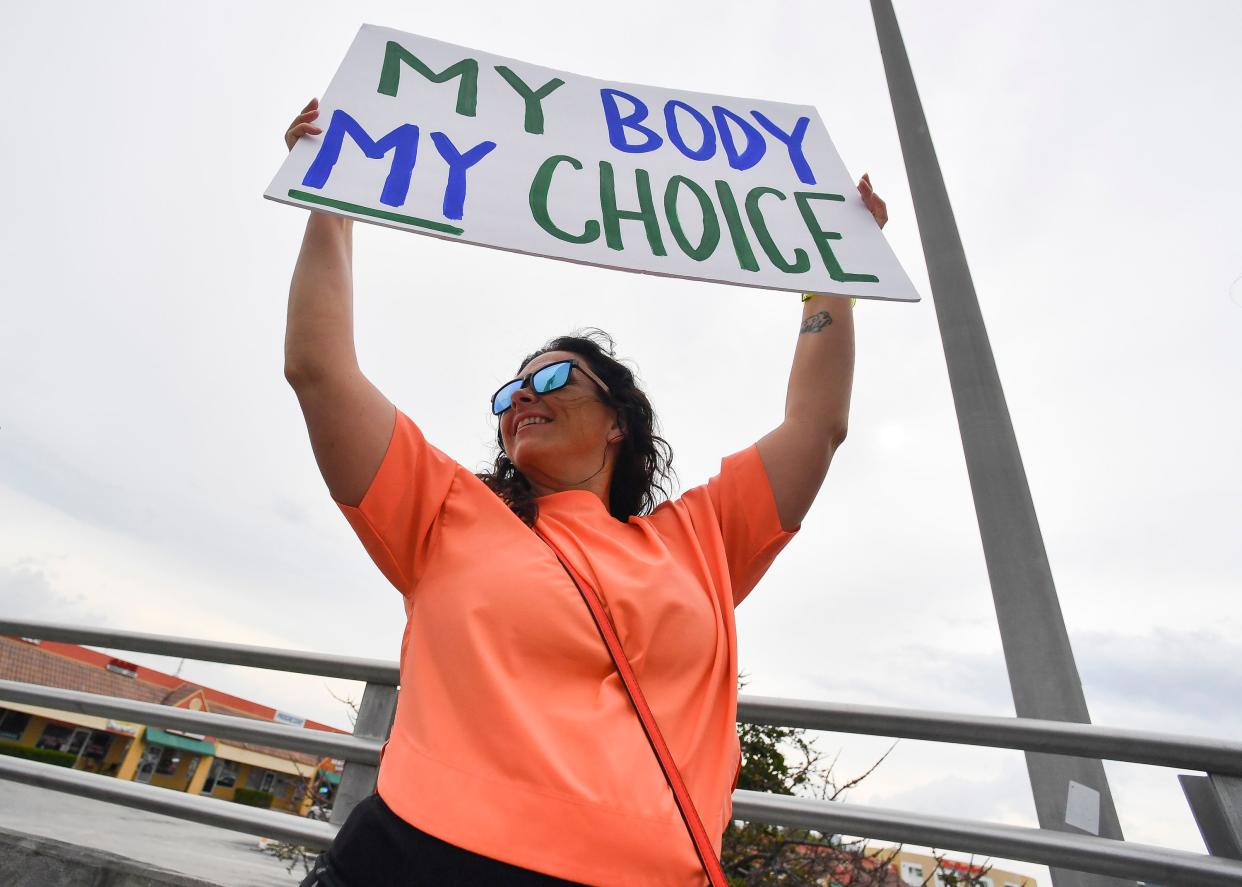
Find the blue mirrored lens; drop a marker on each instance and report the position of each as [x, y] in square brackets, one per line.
[503, 398]
[551, 377]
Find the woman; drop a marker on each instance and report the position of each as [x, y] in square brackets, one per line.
[516, 756]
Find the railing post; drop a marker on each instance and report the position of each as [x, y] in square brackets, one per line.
[375, 714]
[1216, 802]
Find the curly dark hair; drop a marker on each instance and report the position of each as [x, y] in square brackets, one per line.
[642, 476]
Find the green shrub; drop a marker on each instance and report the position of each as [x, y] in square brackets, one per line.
[46, 755]
[253, 797]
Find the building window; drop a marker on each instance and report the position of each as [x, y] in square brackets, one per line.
[97, 746]
[260, 780]
[169, 761]
[13, 724]
[268, 779]
[912, 873]
[77, 741]
[55, 737]
[227, 777]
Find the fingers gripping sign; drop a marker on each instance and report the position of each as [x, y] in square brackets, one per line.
[878, 208]
[303, 124]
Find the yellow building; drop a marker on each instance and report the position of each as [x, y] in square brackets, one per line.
[918, 869]
[237, 771]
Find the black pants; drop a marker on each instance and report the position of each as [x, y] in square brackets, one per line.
[377, 848]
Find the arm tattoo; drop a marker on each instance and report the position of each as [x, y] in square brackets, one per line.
[816, 322]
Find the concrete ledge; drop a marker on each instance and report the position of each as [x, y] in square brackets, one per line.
[34, 861]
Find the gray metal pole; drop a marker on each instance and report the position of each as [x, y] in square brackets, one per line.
[374, 721]
[1070, 793]
[1216, 802]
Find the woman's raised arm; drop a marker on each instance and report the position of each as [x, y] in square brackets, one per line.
[798, 452]
[349, 420]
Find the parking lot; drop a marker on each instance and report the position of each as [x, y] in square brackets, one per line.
[203, 851]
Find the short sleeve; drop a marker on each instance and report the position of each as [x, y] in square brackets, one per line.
[396, 518]
[750, 525]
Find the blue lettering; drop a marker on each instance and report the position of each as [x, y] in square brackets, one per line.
[617, 124]
[402, 141]
[704, 151]
[455, 190]
[755, 145]
[793, 143]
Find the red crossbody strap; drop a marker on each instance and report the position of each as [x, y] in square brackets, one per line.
[685, 804]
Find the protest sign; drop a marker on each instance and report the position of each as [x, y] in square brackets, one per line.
[460, 144]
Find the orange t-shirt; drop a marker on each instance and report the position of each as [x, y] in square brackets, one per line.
[514, 735]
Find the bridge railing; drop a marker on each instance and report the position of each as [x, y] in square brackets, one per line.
[1215, 798]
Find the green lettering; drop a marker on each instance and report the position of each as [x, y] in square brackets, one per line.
[711, 224]
[539, 187]
[645, 213]
[823, 238]
[741, 244]
[801, 262]
[466, 69]
[532, 97]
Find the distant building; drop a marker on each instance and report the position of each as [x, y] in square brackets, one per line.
[284, 780]
[916, 869]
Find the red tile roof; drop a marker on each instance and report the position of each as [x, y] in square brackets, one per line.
[70, 667]
[162, 685]
[23, 661]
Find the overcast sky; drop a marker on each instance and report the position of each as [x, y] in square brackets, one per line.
[155, 473]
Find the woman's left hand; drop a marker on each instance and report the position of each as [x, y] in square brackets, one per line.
[872, 200]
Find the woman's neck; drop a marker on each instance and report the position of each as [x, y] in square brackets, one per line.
[599, 484]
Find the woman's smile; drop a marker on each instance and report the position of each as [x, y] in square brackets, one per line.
[528, 421]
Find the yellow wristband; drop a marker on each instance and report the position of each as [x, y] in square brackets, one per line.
[806, 297]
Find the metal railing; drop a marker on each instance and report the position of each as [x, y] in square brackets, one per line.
[1216, 799]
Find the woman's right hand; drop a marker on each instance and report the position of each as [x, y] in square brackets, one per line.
[303, 124]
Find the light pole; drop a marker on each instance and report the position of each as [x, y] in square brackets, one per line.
[1071, 794]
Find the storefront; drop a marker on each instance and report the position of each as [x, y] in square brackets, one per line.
[97, 744]
[170, 759]
[286, 780]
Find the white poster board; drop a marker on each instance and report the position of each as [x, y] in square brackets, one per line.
[460, 144]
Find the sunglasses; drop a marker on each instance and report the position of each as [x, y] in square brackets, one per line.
[553, 377]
